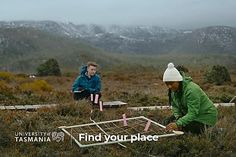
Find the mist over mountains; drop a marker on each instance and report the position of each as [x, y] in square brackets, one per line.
[140, 39]
[26, 44]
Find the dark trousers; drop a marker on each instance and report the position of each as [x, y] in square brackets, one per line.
[82, 95]
[193, 127]
[85, 95]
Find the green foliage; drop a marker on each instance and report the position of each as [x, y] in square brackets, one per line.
[6, 92]
[50, 67]
[137, 92]
[37, 85]
[4, 135]
[225, 98]
[218, 75]
[6, 76]
[47, 152]
[74, 109]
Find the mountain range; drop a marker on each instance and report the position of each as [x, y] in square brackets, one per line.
[26, 44]
[141, 39]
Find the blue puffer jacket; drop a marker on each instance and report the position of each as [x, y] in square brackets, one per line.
[83, 82]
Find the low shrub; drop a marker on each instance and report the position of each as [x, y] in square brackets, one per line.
[6, 76]
[36, 86]
[217, 75]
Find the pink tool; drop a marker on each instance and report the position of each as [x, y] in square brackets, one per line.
[101, 105]
[147, 126]
[124, 120]
[91, 97]
[96, 99]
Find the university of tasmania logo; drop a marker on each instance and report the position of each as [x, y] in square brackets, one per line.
[39, 136]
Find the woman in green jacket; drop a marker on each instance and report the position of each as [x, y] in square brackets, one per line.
[192, 110]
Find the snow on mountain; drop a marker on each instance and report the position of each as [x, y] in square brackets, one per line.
[140, 39]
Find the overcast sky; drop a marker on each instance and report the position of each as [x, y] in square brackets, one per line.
[169, 13]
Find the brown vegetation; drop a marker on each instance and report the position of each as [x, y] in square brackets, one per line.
[137, 87]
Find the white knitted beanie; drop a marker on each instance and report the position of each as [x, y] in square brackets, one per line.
[172, 74]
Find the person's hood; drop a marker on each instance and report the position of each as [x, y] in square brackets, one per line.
[186, 81]
[83, 70]
[186, 78]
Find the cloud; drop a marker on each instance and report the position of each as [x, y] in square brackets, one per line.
[172, 13]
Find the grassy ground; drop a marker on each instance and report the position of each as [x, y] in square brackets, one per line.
[138, 87]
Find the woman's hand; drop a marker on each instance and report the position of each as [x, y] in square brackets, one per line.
[171, 127]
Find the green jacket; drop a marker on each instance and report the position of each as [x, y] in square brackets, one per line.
[192, 104]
